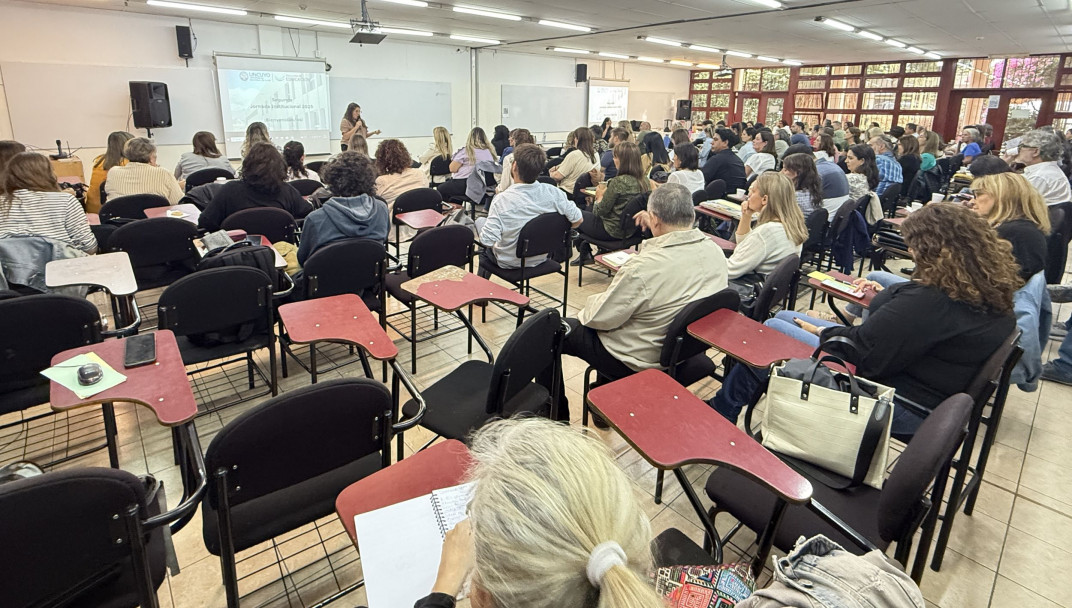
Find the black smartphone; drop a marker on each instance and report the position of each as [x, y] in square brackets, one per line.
[140, 350]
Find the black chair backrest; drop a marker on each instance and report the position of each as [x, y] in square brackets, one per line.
[68, 559]
[526, 353]
[103, 193]
[450, 245]
[300, 435]
[157, 246]
[554, 152]
[35, 328]
[305, 187]
[841, 219]
[716, 189]
[635, 205]
[315, 166]
[548, 233]
[439, 166]
[679, 344]
[270, 222]
[544, 179]
[206, 176]
[131, 206]
[416, 200]
[775, 287]
[1056, 246]
[351, 265]
[903, 493]
[217, 300]
[985, 382]
[889, 198]
[816, 223]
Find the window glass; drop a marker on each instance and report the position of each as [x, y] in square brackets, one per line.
[814, 70]
[915, 67]
[811, 84]
[701, 75]
[884, 68]
[845, 83]
[700, 86]
[722, 85]
[1068, 62]
[1064, 103]
[979, 74]
[919, 100]
[844, 70]
[843, 118]
[699, 116]
[750, 109]
[748, 79]
[719, 101]
[927, 120]
[1030, 72]
[699, 100]
[1066, 80]
[878, 101]
[842, 101]
[1062, 125]
[809, 101]
[884, 120]
[881, 83]
[720, 115]
[922, 82]
[776, 79]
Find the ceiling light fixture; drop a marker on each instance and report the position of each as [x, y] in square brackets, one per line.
[770, 59]
[305, 21]
[679, 62]
[738, 54]
[613, 55]
[869, 35]
[791, 62]
[473, 39]
[704, 49]
[650, 60]
[896, 43]
[403, 32]
[834, 23]
[932, 55]
[769, 3]
[417, 3]
[575, 51]
[197, 7]
[662, 41]
[486, 13]
[708, 66]
[916, 50]
[565, 26]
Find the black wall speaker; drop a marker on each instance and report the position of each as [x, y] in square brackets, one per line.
[185, 41]
[582, 72]
[684, 109]
[150, 105]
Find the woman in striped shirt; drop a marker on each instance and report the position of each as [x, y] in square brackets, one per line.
[33, 205]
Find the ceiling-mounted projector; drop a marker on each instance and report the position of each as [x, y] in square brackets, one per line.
[366, 31]
[367, 37]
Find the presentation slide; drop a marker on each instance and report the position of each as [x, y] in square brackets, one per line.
[607, 100]
[294, 105]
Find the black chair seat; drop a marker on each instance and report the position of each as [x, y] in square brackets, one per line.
[457, 402]
[514, 275]
[394, 282]
[614, 245]
[694, 369]
[673, 548]
[24, 395]
[195, 353]
[753, 505]
[269, 516]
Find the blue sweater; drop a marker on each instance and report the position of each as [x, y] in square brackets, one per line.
[340, 218]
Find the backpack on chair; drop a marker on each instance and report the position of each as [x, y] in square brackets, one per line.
[242, 253]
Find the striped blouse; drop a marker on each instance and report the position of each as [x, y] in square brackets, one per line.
[55, 215]
[142, 178]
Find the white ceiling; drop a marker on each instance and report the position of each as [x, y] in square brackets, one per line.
[952, 28]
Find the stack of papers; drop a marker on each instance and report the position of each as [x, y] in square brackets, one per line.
[616, 258]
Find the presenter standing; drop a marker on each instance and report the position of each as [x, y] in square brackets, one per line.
[352, 124]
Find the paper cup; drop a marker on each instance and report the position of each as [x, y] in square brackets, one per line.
[740, 192]
[937, 197]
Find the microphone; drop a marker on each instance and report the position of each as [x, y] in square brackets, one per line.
[59, 150]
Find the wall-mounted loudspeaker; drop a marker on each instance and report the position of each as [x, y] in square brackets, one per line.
[150, 105]
[684, 109]
[185, 41]
[582, 72]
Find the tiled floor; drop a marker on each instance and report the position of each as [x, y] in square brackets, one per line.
[1015, 551]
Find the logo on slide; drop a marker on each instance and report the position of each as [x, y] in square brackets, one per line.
[243, 75]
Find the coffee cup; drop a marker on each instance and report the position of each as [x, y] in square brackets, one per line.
[740, 192]
[937, 197]
[916, 206]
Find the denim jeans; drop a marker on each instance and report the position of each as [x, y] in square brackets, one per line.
[1063, 362]
[882, 278]
[783, 322]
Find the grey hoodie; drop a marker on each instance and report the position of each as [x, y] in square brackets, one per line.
[344, 217]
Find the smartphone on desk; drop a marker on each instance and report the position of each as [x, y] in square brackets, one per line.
[139, 350]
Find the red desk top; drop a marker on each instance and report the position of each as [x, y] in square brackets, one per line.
[425, 218]
[450, 288]
[864, 301]
[714, 213]
[93, 219]
[747, 340]
[190, 213]
[723, 243]
[341, 318]
[161, 386]
[671, 427]
[896, 221]
[441, 466]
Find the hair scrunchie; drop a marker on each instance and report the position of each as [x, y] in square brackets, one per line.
[604, 557]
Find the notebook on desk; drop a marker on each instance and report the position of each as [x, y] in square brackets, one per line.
[724, 206]
[400, 545]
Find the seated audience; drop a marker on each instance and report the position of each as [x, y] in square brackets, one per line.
[518, 137]
[863, 171]
[747, 148]
[578, 162]
[606, 162]
[463, 163]
[779, 233]
[889, 170]
[8, 150]
[798, 134]
[604, 222]
[263, 184]
[835, 184]
[358, 143]
[653, 154]
[439, 151]
[800, 169]
[605, 128]
[686, 168]
[723, 163]
[514, 207]
[1017, 212]
[500, 140]
[33, 205]
[112, 157]
[781, 143]
[294, 157]
[601, 144]
[141, 175]
[677, 136]
[1040, 152]
[396, 173]
[909, 158]
[353, 211]
[927, 337]
[763, 159]
[970, 140]
[256, 132]
[825, 149]
[204, 156]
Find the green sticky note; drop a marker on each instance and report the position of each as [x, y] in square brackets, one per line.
[66, 374]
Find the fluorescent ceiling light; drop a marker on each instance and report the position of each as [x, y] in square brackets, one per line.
[394, 30]
[650, 59]
[770, 59]
[485, 13]
[577, 51]
[473, 39]
[679, 62]
[613, 55]
[565, 26]
[419, 3]
[197, 7]
[837, 25]
[915, 50]
[737, 54]
[708, 66]
[770, 3]
[791, 62]
[896, 43]
[932, 55]
[305, 21]
[869, 35]
[704, 49]
[662, 41]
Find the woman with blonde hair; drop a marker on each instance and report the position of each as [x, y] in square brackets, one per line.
[256, 132]
[464, 162]
[553, 522]
[439, 151]
[579, 161]
[112, 157]
[1017, 211]
[779, 233]
[358, 144]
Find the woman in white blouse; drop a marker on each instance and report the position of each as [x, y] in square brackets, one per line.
[520, 136]
[763, 159]
[686, 168]
[578, 162]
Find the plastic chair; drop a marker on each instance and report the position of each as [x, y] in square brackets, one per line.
[130, 207]
[889, 199]
[274, 224]
[715, 190]
[635, 235]
[546, 234]
[439, 171]
[305, 187]
[207, 176]
[315, 166]
[282, 464]
[418, 199]
[775, 288]
[161, 249]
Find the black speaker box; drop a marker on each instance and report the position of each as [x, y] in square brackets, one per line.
[150, 105]
[684, 109]
[582, 72]
[185, 41]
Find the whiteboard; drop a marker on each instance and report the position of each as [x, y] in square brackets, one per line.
[544, 109]
[83, 105]
[399, 108]
[652, 107]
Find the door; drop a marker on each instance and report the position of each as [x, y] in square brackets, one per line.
[747, 107]
[774, 109]
[1010, 113]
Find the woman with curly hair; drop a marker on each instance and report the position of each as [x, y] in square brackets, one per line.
[927, 337]
[263, 184]
[353, 211]
[397, 175]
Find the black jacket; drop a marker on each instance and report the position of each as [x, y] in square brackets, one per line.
[236, 195]
[1029, 246]
[726, 166]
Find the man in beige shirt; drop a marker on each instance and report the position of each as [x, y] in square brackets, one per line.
[621, 330]
[141, 175]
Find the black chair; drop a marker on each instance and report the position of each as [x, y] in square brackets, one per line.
[305, 187]
[554, 152]
[103, 192]
[207, 176]
[283, 463]
[634, 234]
[544, 179]
[221, 313]
[439, 170]
[861, 518]
[315, 166]
[161, 249]
[1056, 247]
[547, 234]
[476, 392]
[110, 553]
[130, 207]
[715, 190]
[418, 199]
[275, 224]
[837, 226]
[889, 199]
[775, 289]
[450, 245]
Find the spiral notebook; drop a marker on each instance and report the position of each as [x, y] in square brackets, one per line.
[400, 545]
